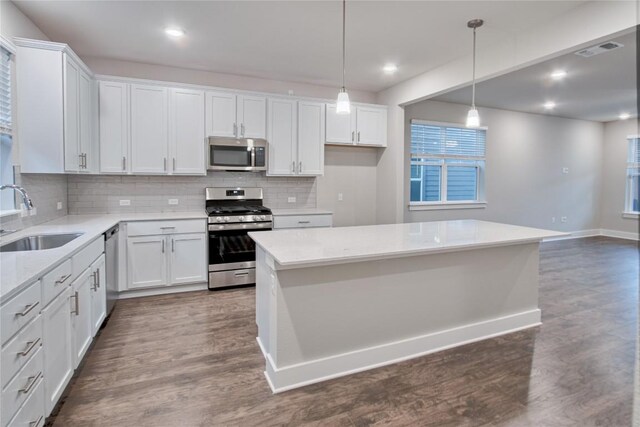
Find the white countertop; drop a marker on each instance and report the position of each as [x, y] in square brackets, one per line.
[19, 269]
[296, 248]
[302, 211]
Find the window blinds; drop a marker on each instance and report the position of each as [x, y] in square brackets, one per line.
[5, 92]
[633, 156]
[447, 141]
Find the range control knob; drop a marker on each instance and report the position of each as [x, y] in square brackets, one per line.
[240, 218]
[219, 218]
[261, 217]
[226, 219]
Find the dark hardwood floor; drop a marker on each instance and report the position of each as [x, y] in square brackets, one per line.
[192, 360]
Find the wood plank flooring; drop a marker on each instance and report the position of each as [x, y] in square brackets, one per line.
[192, 360]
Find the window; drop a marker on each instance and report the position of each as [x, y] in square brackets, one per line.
[447, 164]
[7, 200]
[633, 175]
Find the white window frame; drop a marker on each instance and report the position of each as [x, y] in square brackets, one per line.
[443, 203]
[8, 45]
[628, 202]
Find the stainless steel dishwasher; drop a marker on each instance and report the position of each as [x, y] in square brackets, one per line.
[111, 254]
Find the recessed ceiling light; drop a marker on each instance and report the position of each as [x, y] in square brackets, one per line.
[550, 105]
[174, 32]
[558, 74]
[390, 68]
[624, 116]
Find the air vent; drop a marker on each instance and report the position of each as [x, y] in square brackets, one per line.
[601, 48]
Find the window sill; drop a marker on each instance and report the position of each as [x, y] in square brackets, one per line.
[9, 212]
[631, 215]
[431, 206]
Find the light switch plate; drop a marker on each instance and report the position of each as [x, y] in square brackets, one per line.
[565, 170]
[340, 198]
[59, 205]
[125, 202]
[173, 201]
[291, 200]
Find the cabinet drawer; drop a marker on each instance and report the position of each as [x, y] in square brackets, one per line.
[148, 228]
[21, 387]
[19, 311]
[302, 221]
[55, 281]
[19, 350]
[83, 259]
[32, 412]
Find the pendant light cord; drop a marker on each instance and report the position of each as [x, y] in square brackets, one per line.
[344, 20]
[473, 86]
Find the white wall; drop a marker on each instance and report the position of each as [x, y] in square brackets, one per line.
[614, 166]
[14, 23]
[524, 160]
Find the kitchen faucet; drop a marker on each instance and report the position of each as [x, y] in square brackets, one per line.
[25, 197]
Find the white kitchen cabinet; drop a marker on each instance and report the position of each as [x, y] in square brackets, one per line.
[55, 109]
[57, 345]
[366, 126]
[186, 132]
[81, 315]
[236, 116]
[146, 262]
[311, 137]
[114, 127]
[188, 258]
[98, 294]
[149, 129]
[282, 137]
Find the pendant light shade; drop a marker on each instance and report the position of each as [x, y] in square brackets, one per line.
[343, 106]
[473, 117]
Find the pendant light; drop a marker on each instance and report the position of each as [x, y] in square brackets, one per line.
[473, 118]
[343, 106]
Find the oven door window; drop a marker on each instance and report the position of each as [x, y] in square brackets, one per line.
[230, 156]
[231, 246]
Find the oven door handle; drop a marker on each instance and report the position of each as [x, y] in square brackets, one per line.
[244, 227]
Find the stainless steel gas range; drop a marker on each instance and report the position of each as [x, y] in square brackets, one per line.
[233, 212]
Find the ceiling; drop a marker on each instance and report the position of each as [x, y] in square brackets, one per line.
[598, 88]
[296, 41]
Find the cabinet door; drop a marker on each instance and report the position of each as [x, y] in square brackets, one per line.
[282, 137]
[114, 127]
[221, 114]
[371, 126]
[146, 262]
[340, 128]
[186, 131]
[252, 116]
[71, 115]
[149, 130]
[86, 116]
[310, 138]
[98, 294]
[188, 258]
[81, 315]
[57, 344]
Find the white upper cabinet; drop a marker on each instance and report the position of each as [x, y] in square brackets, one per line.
[282, 137]
[55, 109]
[310, 138]
[236, 116]
[149, 129]
[114, 127]
[366, 125]
[187, 143]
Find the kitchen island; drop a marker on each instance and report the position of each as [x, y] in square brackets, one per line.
[335, 301]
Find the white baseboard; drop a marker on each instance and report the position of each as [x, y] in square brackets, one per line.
[596, 232]
[314, 371]
[619, 234]
[136, 293]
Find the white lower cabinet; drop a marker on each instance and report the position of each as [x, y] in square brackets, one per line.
[57, 345]
[188, 258]
[81, 315]
[98, 294]
[146, 261]
[32, 412]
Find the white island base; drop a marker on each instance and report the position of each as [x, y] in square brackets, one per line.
[400, 291]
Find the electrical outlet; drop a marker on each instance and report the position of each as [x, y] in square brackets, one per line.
[553, 219]
[125, 202]
[340, 198]
[565, 170]
[563, 219]
[23, 212]
[173, 201]
[59, 205]
[291, 200]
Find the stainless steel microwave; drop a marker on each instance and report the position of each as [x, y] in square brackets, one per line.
[232, 154]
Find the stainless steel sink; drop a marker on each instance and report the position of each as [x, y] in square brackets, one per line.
[39, 242]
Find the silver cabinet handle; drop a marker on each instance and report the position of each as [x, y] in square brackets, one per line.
[235, 129]
[304, 222]
[174, 164]
[358, 136]
[36, 422]
[124, 163]
[162, 245]
[165, 163]
[85, 161]
[173, 247]
[95, 282]
[62, 279]
[80, 165]
[32, 381]
[98, 276]
[353, 136]
[30, 346]
[242, 129]
[27, 309]
[167, 228]
[299, 167]
[76, 304]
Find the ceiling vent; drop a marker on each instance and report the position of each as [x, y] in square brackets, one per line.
[598, 49]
